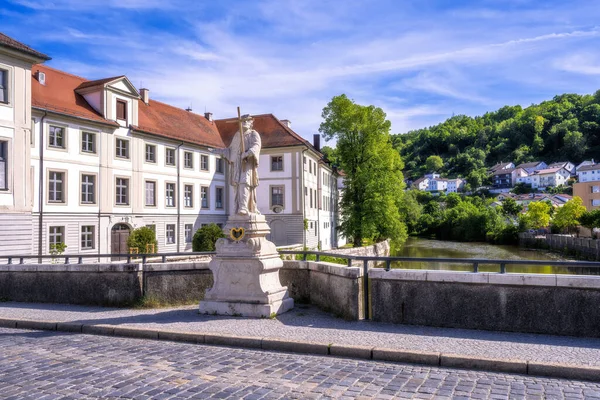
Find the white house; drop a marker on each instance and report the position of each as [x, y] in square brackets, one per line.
[569, 166]
[530, 167]
[552, 177]
[421, 183]
[437, 184]
[455, 185]
[588, 173]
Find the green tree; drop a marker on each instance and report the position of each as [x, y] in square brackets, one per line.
[205, 238]
[373, 185]
[511, 208]
[434, 163]
[143, 239]
[566, 218]
[330, 154]
[590, 219]
[537, 215]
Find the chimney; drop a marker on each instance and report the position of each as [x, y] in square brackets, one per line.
[287, 122]
[317, 141]
[208, 116]
[145, 93]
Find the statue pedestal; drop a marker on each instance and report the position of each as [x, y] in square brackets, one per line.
[246, 273]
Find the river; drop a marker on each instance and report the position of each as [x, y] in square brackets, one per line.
[417, 247]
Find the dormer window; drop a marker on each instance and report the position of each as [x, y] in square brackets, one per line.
[122, 110]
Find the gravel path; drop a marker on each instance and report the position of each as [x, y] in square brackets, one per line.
[307, 323]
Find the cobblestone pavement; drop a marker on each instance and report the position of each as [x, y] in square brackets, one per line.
[55, 365]
[306, 323]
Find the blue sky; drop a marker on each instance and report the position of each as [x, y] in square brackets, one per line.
[421, 61]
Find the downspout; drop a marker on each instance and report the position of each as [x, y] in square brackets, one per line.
[178, 199]
[41, 189]
[98, 197]
[303, 198]
[319, 205]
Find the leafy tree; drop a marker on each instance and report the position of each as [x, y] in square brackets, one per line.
[590, 219]
[373, 192]
[521, 188]
[566, 218]
[411, 210]
[452, 200]
[434, 163]
[330, 154]
[205, 238]
[143, 239]
[511, 208]
[537, 215]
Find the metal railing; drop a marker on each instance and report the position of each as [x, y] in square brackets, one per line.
[129, 257]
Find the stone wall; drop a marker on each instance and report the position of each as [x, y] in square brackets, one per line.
[331, 287]
[381, 249]
[547, 304]
[580, 248]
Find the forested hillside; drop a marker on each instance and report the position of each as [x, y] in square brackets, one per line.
[564, 128]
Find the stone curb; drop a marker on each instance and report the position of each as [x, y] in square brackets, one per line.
[554, 370]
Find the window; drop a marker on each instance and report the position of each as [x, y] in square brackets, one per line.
[219, 166]
[170, 156]
[310, 166]
[219, 197]
[188, 160]
[56, 187]
[88, 189]
[87, 237]
[122, 191]
[150, 153]
[170, 233]
[595, 189]
[151, 193]
[204, 197]
[3, 165]
[57, 137]
[311, 198]
[122, 148]
[3, 86]
[276, 196]
[122, 110]
[595, 202]
[57, 235]
[277, 163]
[204, 162]
[88, 142]
[170, 195]
[188, 195]
[188, 232]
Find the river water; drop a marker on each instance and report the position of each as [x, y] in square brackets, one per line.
[417, 247]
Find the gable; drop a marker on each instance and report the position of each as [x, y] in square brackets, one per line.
[123, 86]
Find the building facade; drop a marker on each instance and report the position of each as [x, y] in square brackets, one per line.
[588, 187]
[101, 158]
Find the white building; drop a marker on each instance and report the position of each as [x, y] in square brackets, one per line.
[437, 184]
[421, 183]
[16, 185]
[103, 158]
[549, 177]
[588, 173]
[455, 185]
[569, 166]
[533, 166]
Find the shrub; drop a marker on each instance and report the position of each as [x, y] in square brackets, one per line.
[143, 238]
[206, 237]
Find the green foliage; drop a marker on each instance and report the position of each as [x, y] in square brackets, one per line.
[373, 193]
[564, 128]
[434, 163]
[331, 154]
[205, 238]
[56, 249]
[141, 237]
[510, 207]
[590, 219]
[566, 218]
[537, 215]
[522, 188]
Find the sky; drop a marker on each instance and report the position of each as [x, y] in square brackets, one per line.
[420, 61]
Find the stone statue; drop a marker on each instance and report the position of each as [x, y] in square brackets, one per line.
[243, 154]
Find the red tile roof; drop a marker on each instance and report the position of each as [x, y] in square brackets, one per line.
[58, 95]
[171, 122]
[273, 132]
[7, 41]
[156, 118]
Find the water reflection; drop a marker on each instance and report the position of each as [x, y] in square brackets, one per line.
[416, 247]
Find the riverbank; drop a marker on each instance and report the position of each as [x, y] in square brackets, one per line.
[579, 248]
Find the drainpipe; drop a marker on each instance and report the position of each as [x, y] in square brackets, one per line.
[41, 189]
[178, 199]
[98, 197]
[302, 198]
[319, 199]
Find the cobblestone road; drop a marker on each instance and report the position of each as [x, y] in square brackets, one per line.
[52, 365]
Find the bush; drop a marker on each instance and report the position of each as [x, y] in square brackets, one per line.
[143, 238]
[206, 237]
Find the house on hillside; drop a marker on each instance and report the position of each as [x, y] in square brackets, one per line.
[437, 184]
[583, 164]
[533, 166]
[552, 177]
[421, 183]
[455, 185]
[588, 187]
[569, 166]
[501, 166]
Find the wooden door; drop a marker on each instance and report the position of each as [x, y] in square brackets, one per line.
[119, 236]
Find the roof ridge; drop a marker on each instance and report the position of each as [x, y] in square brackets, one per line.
[175, 107]
[64, 72]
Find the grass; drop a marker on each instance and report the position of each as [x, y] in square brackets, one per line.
[312, 257]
